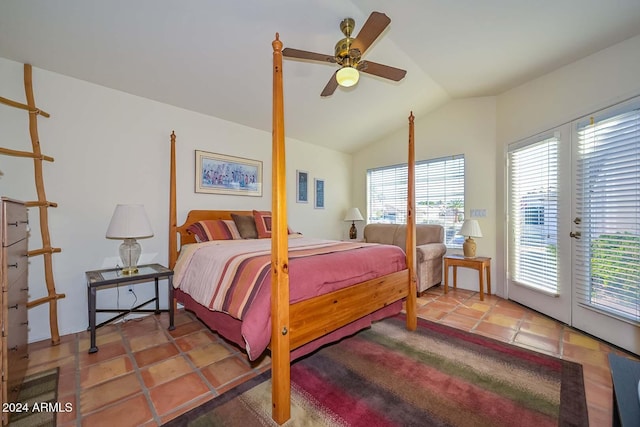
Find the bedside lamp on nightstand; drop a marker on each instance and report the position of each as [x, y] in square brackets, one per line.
[129, 222]
[470, 229]
[353, 215]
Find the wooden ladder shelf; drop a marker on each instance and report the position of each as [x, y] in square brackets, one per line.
[42, 204]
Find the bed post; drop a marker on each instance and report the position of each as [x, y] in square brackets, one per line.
[173, 221]
[173, 218]
[411, 303]
[280, 351]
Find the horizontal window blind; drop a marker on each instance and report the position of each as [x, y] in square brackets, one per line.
[439, 195]
[533, 214]
[607, 273]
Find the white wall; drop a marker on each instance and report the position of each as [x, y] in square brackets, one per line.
[111, 147]
[465, 126]
[598, 81]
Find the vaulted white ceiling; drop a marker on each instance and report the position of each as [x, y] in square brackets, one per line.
[215, 57]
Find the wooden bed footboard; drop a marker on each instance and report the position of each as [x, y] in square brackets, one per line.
[316, 317]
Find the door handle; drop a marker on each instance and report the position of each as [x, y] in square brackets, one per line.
[575, 235]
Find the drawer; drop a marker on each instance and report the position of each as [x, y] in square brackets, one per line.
[17, 328]
[15, 222]
[16, 261]
[18, 325]
[18, 291]
[18, 361]
[17, 351]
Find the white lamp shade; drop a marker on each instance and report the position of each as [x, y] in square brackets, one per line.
[129, 222]
[353, 214]
[347, 76]
[471, 228]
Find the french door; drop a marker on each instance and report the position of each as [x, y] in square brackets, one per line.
[606, 211]
[574, 224]
[539, 208]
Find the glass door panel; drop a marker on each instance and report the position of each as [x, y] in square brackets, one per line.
[606, 264]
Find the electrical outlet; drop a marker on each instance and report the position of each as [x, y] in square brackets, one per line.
[130, 289]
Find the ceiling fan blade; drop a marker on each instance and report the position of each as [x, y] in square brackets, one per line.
[375, 25]
[331, 86]
[303, 54]
[391, 73]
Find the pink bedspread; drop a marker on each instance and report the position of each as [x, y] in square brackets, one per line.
[315, 267]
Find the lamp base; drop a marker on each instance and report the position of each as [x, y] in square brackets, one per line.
[130, 251]
[353, 231]
[469, 248]
[128, 271]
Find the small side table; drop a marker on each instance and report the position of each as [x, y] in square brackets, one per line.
[482, 264]
[102, 278]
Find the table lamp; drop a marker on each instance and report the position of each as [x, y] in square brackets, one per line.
[353, 215]
[470, 229]
[129, 222]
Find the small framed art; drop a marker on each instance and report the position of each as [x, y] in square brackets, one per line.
[319, 192]
[222, 174]
[302, 186]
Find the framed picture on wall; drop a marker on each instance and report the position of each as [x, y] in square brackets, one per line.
[222, 174]
[319, 192]
[302, 186]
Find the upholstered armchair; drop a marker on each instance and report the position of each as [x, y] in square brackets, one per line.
[429, 248]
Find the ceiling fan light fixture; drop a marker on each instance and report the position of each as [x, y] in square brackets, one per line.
[347, 76]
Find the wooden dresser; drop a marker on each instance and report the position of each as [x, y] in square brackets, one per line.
[13, 298]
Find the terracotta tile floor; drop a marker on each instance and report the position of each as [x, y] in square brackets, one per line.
[144, 375]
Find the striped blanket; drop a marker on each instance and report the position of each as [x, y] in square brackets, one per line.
[226, 275]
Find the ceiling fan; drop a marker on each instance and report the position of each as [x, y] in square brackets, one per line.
[349, 52]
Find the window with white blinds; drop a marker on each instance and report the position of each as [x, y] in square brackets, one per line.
[607, 272]
[533, 214]
[439, 195]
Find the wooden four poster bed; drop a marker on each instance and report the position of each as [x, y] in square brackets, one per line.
[299, 323]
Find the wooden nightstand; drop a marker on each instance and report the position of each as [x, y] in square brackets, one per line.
[482, 264]
[109, 277]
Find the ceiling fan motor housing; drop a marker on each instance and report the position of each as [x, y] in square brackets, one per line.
[344, 55]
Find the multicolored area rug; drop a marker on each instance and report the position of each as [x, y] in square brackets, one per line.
[435, 376]
[37, 391]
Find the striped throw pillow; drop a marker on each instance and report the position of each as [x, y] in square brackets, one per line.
[216, 229]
